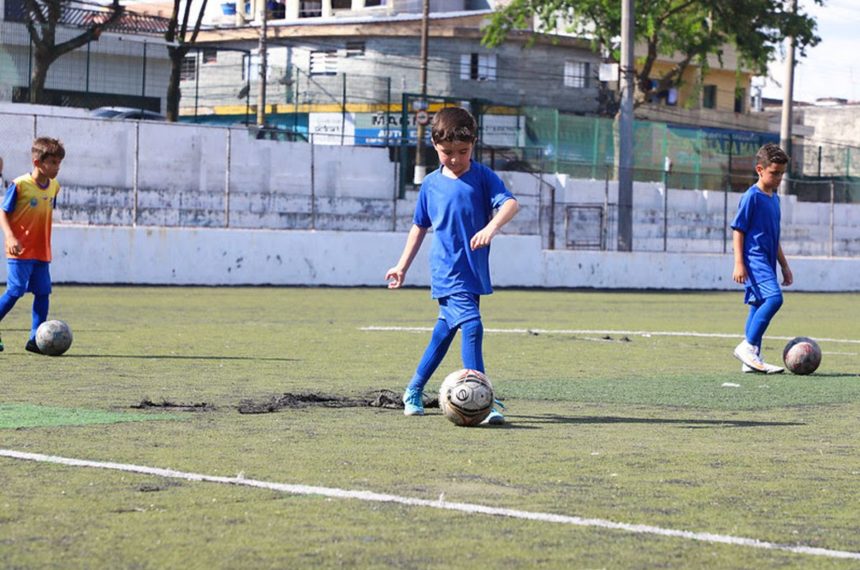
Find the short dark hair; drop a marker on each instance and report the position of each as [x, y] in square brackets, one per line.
[43, 147]
[770, 154]
[453, 124]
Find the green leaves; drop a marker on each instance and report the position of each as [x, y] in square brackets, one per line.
[685, 30]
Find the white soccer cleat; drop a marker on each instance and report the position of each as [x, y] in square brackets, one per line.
[748, 355]
[772, 369]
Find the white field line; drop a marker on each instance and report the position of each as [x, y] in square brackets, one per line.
[609, 332]
[439, 504]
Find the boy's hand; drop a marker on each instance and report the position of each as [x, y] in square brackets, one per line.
[739, 275]
[787, 276]
[13, 247]
[395, 277]
[483, 238]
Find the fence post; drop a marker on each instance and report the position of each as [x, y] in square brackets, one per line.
[667, 166]
[726, 197]
[832, 214]
[313, 186]
[135, 174]
[227, 178]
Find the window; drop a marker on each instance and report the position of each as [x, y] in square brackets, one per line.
[188, 69]
[323, 62]
[740, 97]
[709, 97]
[478, 66]
[372, 3]
[210, 56]
[310, 8]
[354, 49]
[250, 66]
[341, 5]
[576, 74]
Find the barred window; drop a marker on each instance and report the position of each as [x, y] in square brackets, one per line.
[323, 62]
[188, 69]
[577, 74]
[478, 66]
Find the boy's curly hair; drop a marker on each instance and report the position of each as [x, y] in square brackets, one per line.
[453, 124]
[43, 147]
[770, 154]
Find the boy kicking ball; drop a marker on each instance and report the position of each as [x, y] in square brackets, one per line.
[457, 201]
[757, 251]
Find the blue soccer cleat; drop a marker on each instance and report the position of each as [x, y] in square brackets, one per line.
[496, 418]
[413, 402]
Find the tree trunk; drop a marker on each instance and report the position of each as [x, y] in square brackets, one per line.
[37, 79]
[173, 92]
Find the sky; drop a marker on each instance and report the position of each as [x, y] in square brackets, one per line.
[830, 69]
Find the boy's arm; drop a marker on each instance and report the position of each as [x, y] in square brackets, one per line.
[397, 274]
[13, 246]
[739, 273]
[787, 276]
[505, 214]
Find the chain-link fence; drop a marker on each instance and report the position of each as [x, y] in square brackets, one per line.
[182, 175]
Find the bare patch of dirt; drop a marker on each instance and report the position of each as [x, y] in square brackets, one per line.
[387, 399]
[147, 404]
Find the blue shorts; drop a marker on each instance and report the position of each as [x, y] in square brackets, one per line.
[28, 275]
[755, 292]
[458, 308]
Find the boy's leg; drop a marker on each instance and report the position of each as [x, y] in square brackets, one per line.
[472, 340]
[40, 285]
[7, 301]
[749, 351]
[473, 336]
[41, 303]
[17, 277]
[759, 319]
[440, 341]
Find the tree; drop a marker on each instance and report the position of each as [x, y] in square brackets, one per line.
[42, 18]
[179, 43]
[687, 30]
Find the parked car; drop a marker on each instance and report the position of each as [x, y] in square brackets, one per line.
[127, 113]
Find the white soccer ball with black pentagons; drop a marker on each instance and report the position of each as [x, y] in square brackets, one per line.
[466, 397]
[53, 337]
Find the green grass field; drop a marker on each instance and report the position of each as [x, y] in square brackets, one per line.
[643, 429]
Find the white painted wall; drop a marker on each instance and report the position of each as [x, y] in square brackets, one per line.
[175, 256]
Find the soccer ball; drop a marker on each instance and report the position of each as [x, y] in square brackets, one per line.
[466, 397]
[802, 355]
[53, 337]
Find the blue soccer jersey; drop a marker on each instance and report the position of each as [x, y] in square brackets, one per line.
[758, 218]
[457, 209]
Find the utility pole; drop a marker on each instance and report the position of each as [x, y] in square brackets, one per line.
[787, 104]
[420, 165]
[261, 49]
[625, 130]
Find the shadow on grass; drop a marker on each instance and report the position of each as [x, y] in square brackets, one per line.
[181, 357]
[685, 423]
[831, 375]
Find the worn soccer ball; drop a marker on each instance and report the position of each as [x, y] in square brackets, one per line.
[53, 337]
[802, 355]
[466, 397]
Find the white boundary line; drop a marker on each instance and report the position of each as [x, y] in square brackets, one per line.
[440, 504]
[610, 332]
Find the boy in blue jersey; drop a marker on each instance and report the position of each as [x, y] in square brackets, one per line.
[457, 201]
[757, 251]
[26, 218]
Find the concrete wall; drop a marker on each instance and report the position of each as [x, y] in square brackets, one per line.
[177, 256]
